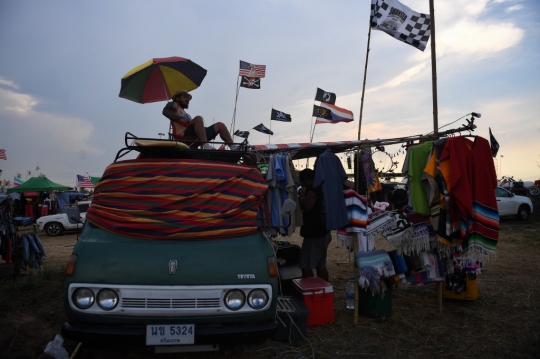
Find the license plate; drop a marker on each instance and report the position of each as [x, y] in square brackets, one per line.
[170, 334]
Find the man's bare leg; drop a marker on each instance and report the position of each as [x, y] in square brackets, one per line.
[198, 127]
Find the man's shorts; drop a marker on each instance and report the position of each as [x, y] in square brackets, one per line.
[314, 251]
[211, 133]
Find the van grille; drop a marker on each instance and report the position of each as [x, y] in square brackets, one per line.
[164, 303]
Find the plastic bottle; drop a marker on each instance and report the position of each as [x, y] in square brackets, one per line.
[349, 294]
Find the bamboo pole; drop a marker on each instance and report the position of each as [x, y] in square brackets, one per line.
[364, 84]
[434, 69]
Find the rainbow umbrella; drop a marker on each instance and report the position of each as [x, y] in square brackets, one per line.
[158, 78]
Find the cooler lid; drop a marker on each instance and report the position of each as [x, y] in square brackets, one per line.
[313, 284]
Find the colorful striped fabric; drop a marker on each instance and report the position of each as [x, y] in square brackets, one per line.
[183, 199]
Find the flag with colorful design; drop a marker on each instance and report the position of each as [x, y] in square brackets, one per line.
[84, 181]
[3, 154]
[251, 70]
[327, 113]
[17, 181]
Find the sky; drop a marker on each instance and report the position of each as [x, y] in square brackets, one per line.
[62, 61]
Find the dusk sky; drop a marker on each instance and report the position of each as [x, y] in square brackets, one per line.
[62, 62]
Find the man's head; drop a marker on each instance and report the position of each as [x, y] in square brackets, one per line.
[307, 177]
[182, 97]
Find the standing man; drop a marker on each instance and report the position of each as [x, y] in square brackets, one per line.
[185, 126]
[316, 236]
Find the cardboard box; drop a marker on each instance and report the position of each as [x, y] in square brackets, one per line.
[318, 296]
[291, 320]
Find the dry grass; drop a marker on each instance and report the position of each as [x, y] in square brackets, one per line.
[503, 322]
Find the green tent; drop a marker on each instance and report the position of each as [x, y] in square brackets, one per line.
[38, 184]
[95, 180]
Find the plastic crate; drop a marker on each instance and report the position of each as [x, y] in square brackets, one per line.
[292, 319]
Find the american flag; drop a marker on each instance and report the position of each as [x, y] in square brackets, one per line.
[250, 70]
[3, 155]
[84, 182]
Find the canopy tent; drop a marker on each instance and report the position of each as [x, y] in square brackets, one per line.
[94, 180]
[38, 184]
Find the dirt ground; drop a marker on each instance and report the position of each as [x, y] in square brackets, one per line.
[503, 322]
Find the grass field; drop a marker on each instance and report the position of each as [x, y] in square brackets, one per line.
[503, 322]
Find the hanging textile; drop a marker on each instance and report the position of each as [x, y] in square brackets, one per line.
[330, 174]
[471, 182]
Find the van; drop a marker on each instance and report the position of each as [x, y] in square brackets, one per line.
[174, 252]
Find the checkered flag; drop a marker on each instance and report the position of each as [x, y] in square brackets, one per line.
[400, 22]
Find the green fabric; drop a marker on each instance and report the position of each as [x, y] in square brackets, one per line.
[417, 162]
[38, 184]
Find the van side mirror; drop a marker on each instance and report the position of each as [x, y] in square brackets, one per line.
[288, 208]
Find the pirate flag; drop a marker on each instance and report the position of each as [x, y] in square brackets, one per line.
[280, 116]
[251, 82]
[494, 144]
[262, 128]
[243, 134]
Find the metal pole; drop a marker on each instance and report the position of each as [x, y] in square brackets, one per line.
[364, 84]
[434, 69]
[235, 101]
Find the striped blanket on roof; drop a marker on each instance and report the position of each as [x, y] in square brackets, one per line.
[177, 199]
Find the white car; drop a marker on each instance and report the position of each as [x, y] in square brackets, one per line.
[56, 224]
[510, 204]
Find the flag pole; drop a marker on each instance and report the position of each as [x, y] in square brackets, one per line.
[235, 101]
[364, 84]
[434, 69]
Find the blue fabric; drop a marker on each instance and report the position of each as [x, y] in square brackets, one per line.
[330, 174]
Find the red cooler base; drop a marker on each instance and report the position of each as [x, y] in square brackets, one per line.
[318, 296]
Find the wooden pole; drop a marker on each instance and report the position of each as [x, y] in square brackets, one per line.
[364, 84]
[434, 69]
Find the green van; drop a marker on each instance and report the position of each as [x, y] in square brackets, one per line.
[175, 251]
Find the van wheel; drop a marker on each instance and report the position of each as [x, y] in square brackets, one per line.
[54, 229]
[523, 212]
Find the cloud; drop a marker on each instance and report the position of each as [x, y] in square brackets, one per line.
[15, 102]
[401, 78]
[488, 39]
[5, 82]
[514, 8]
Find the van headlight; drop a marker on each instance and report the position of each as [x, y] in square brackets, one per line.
[234, 299]
[107, 299]
[83, 298]
[257, 298]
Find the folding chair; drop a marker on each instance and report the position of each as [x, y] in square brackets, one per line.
[176, 132]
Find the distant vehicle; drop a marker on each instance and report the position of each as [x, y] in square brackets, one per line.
[510, 204]
[55, 224]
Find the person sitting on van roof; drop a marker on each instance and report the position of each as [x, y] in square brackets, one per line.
[175, 111]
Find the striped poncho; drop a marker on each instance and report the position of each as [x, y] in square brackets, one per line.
[178, 199]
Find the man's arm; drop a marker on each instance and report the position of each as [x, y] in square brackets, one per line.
[309, 200]
[170, 113]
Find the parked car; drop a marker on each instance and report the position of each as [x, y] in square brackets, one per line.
[56, 224]
[510, 204]
[173, 253]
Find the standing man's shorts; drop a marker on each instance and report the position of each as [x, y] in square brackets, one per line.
[315, 251]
